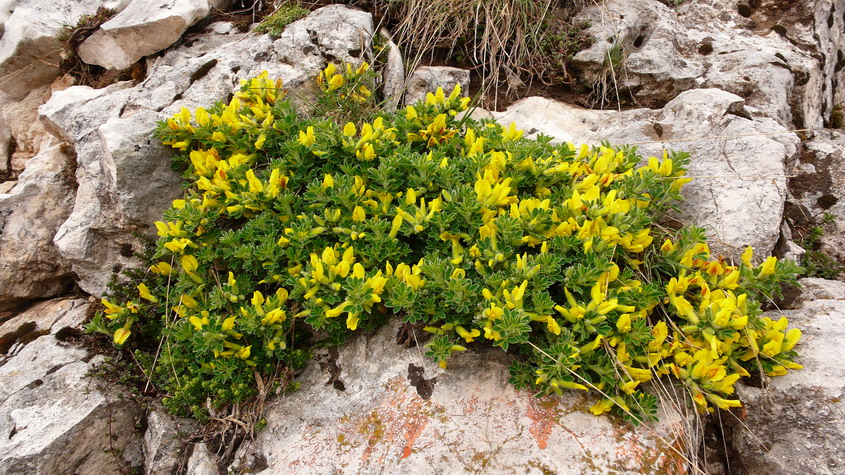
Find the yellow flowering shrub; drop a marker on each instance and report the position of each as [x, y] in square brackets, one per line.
[297, 231]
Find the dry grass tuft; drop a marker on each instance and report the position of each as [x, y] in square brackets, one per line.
[507, 42]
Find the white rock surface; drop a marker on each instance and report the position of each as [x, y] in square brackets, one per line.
[30, 265]
[393, 74]
[427, 79]
[24, 128]
[55, 419]
[44, 317]
[202, 461]
[164, 441]
[400, 413]
[739, 183]
[789, 76]
[800, 417]
[143, 28]
[29, 48]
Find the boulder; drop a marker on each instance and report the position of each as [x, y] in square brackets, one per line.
[795, 424]
[30, 216]
[29, 48]
[818, 187]
[780, 57]
[90, 237]
[46, 317]
[26, 134]
[124, 174]
[55, 419]
[164, 441]
[652, 65]
[427, 79]
[739, 182]
[380, 407]
[143, 28]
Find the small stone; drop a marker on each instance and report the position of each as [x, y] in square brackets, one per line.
[427, 79]
[202, 461]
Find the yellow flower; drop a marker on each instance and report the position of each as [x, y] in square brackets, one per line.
[468, 336]
[349, 129]
[768, 267]
[120, 335]
[307, 137]
[243, 353]
[746, 256]
[352, 321]
[145, 293]
[259, 144]
[358, 214]
[112, 310]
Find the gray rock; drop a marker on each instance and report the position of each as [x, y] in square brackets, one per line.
[427, 79]
[819, 185]
[202, 461]
[5, 142]
[393, 73]
[653, 68]
[800, 418]
[222, 28]
[48, 316]
[143, 28]
[24, 128]
[787, 77]
[793, 252]
[398, 412]
[164, 441]
[54, 419]
[29, 48]
[31, 215]
[90, 238]
[822, 289]
[220, 4]
[136, 168]
[739, 184]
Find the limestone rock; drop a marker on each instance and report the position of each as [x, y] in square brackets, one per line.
[781, 58]
[164, 441]
[393, 74]
[822, 289]
[202, 461]
[41, 318]
[6, 144]
[29, 48]
[652, 67]
[143, 28]
[382, 407]
[24, 129]
[54, 419]
[819, 185]
[739, 183]
[800, 417]
[30, 215]
[90, 237]
[426, 79]
[136, 168]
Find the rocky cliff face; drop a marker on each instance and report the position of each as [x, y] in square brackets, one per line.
[82, 179]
